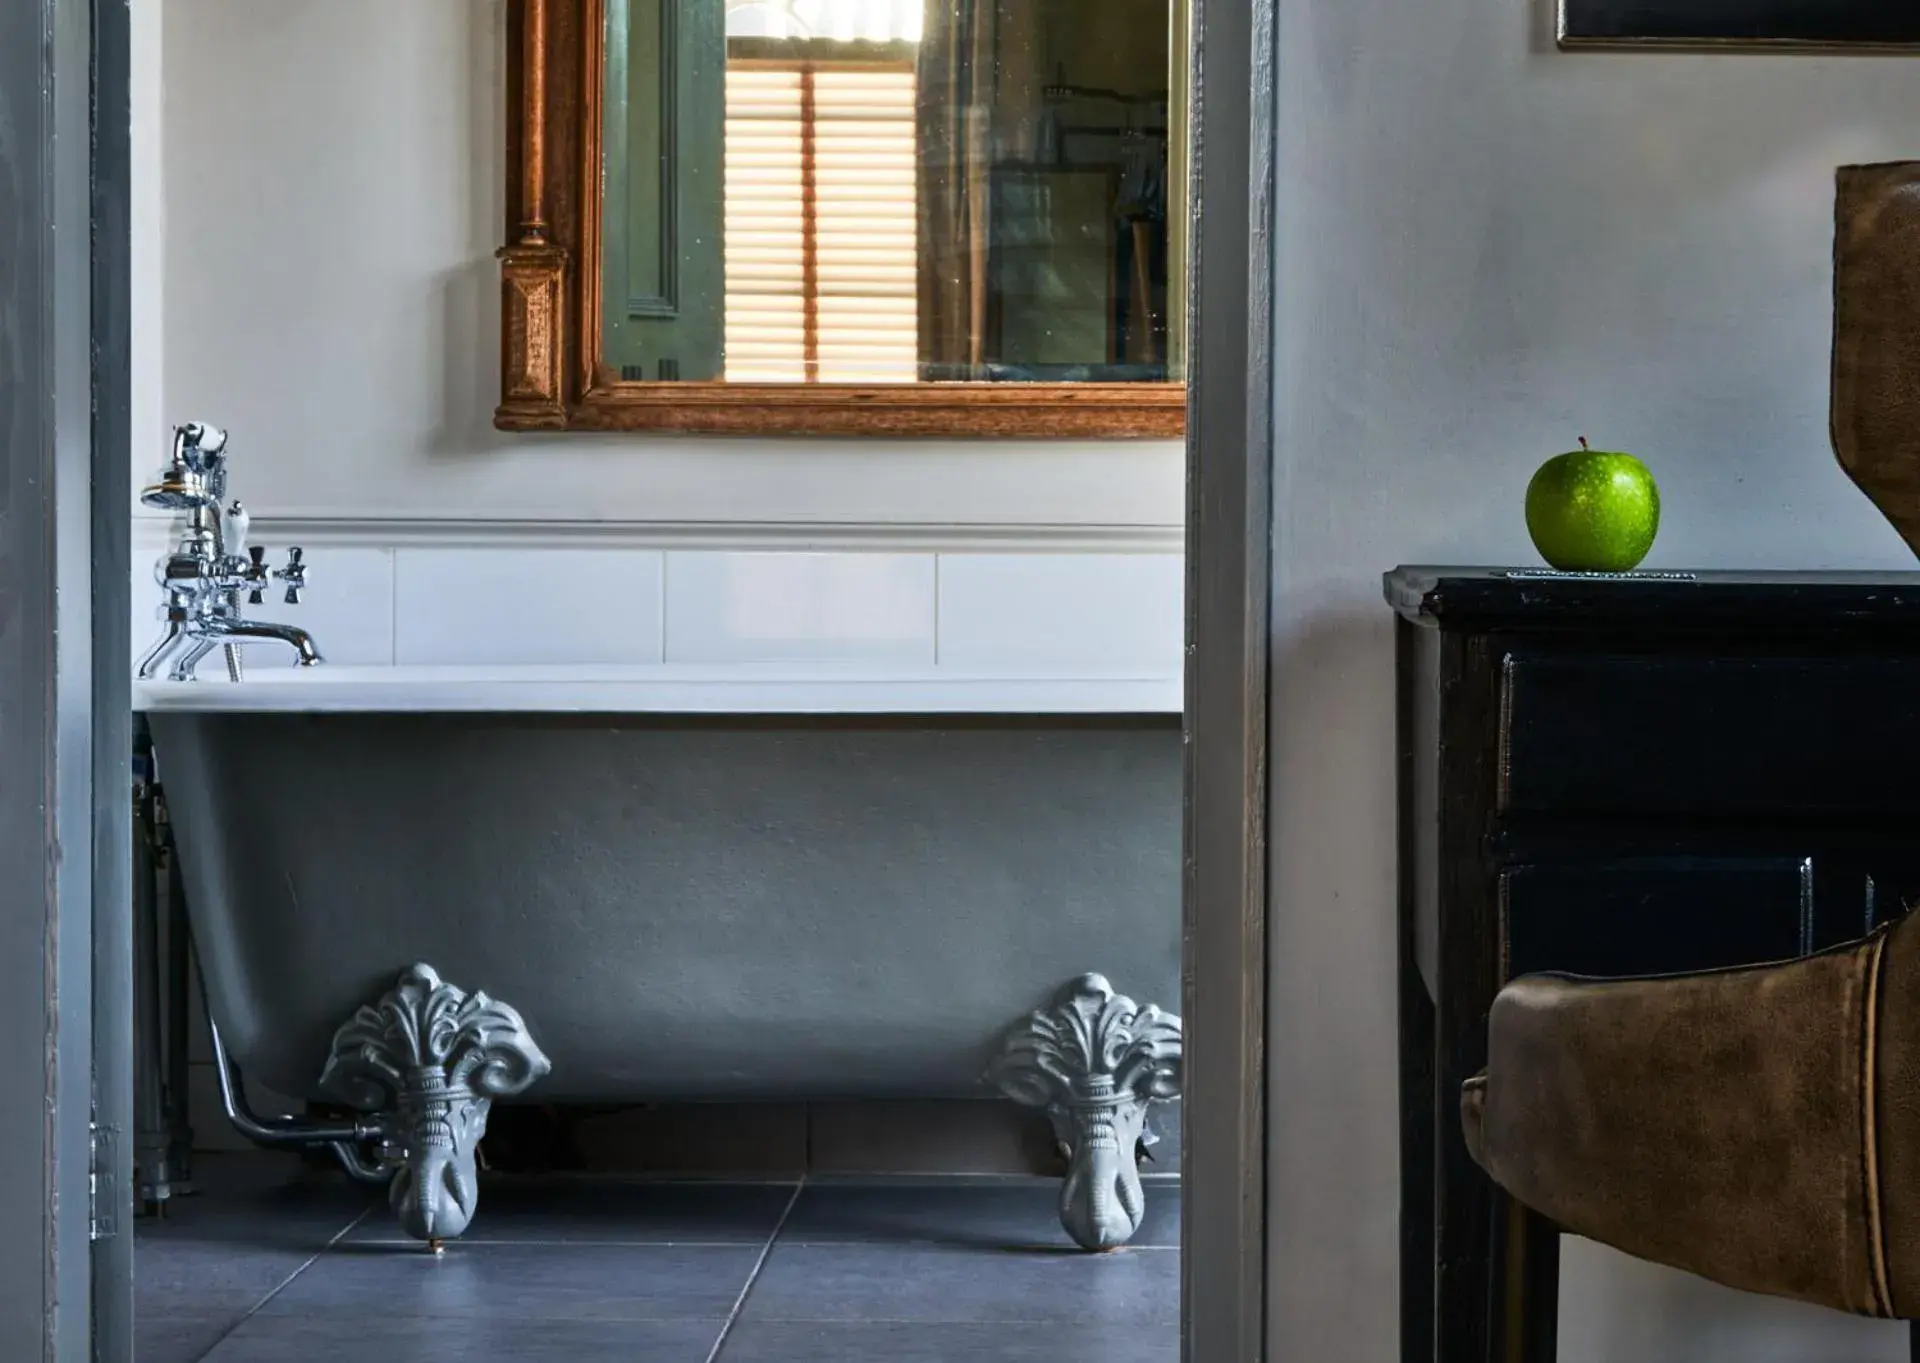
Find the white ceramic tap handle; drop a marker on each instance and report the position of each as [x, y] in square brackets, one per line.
[234, 524]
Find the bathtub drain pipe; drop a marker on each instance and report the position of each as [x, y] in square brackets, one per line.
[344, 1139]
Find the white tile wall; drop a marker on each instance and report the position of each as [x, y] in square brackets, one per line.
[478, 597]
[485, 604]
[1061, 610]
[800, 607]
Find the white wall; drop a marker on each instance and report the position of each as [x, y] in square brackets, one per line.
[147, 266]
[1485, 249]
[334, 199]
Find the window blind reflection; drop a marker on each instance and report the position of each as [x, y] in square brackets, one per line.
[821, 221]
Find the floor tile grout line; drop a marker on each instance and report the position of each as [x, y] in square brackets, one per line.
[972, 1247]
[569, 1242]
[996, 1323]
[306, 1264]
[851, 1242]
[740, 1302]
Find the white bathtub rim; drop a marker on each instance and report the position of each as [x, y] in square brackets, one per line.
[669, 689]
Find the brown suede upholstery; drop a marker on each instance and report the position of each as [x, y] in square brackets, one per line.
[1758, 1127]
[1876, 338]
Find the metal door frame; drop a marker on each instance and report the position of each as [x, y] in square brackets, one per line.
[1229, 584]
[65, 694]
[112, 511]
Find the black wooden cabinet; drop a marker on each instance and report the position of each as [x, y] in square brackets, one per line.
[1619, 776]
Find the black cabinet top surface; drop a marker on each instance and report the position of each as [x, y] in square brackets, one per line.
[1478, 599]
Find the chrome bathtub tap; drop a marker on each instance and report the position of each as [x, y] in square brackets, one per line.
[212, 564]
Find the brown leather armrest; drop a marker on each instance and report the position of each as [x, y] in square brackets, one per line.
[1758, 1127]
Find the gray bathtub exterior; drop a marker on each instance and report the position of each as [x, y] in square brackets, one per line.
[769, 910]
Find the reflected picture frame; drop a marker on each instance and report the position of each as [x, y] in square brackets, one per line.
[1820, 25]
[553, 372]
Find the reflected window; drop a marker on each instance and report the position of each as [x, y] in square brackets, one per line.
[843, 21]
[890, 191]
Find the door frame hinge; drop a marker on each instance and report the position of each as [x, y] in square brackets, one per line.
[103, 1148]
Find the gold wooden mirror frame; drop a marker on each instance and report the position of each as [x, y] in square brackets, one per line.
[552, 373]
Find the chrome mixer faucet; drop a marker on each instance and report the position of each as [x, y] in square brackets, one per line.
[207, 569]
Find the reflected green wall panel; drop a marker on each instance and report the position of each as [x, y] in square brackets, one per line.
[664, 289]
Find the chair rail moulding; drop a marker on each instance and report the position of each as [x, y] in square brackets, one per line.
[555, 375]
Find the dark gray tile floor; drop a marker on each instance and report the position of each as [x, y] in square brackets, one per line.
[276, 1264]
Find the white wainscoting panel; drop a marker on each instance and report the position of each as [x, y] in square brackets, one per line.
[1062, 610]
[800, 607]
[800, 618]
[474, 606]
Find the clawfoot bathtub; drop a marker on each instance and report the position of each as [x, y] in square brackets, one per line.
[424, 912]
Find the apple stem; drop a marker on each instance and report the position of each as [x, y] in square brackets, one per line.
[1583, 443]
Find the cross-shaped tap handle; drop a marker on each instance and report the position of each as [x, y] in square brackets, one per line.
[294, 575]
[259, 557]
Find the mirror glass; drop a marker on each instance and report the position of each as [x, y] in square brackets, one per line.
[892, 191]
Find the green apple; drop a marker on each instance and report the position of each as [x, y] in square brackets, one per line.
[1593, 511]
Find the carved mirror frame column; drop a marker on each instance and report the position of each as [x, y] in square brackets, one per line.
[552, 373]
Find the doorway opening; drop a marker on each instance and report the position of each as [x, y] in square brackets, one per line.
[862, 1216]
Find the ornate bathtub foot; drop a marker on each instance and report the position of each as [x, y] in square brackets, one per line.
[1095, 1061]
[432, 1057]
